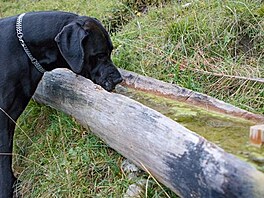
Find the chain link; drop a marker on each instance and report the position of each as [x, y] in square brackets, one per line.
[23, 44]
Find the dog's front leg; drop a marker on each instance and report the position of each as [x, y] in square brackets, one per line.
[7, 178]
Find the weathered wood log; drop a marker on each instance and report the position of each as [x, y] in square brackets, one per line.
[178, 93]
[182, 160]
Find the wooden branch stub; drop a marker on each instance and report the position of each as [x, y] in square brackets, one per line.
[257, 135]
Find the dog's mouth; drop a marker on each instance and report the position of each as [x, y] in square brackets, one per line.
[109, 84]
[107, 77]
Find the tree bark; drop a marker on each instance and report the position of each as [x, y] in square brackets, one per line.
[185, 162]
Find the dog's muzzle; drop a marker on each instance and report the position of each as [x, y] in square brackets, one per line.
[106, 76]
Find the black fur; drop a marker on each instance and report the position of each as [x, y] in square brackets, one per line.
[55, 39]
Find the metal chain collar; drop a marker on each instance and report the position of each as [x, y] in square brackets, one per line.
[23, 44]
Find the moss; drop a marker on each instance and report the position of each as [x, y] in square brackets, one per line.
[228, 132]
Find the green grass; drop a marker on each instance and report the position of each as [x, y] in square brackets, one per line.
[83, 7]
[188, 46]
[56, 157]
[60, 158]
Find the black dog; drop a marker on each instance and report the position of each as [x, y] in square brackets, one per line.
[52, 39]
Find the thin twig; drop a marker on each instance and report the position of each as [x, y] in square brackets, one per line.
[145, 168]
[260, 80]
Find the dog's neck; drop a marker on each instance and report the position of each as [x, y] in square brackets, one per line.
[42, 45]
[19, 30]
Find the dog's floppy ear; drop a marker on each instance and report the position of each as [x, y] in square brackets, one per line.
[69, 41]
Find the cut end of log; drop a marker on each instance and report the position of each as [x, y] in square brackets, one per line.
[257, 135]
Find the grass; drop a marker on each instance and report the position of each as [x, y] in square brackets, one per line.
[64, 159]
[56, 157]
[198, 47]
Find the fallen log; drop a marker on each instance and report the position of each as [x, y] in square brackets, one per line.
[178, 93]
[187, 163]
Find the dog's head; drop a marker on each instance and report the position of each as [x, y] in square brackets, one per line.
[86, 47]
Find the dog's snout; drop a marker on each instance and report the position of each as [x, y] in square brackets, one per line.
[118, 80]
